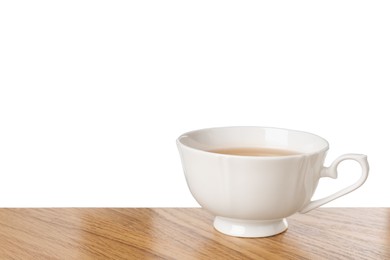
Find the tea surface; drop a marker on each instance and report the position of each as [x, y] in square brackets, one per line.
[254, 151]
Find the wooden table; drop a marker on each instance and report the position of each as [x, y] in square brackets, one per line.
[170, 233]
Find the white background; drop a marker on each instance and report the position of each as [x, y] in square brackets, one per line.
[93, 94]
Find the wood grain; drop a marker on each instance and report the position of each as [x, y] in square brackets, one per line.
[168, 233]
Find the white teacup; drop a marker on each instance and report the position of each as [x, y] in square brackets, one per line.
[251, 196]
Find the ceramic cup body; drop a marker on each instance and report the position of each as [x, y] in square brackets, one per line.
[251, 195]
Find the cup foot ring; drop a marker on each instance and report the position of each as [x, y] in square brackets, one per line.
[249, 228]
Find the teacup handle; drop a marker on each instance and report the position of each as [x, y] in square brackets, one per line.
[331, 171]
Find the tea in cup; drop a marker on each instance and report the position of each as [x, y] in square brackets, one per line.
[253, 178]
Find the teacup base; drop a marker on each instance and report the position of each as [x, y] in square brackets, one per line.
[249, 228]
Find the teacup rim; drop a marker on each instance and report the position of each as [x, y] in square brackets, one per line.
[299, 155]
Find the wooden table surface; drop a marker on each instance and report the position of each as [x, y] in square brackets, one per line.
[171, 233]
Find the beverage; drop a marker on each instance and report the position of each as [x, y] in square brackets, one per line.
[254, 151]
